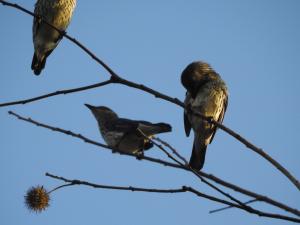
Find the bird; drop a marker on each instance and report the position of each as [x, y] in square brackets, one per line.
[125, 135]
[45, 39]
[206, 94]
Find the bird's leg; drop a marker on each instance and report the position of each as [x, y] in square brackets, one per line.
[139, 153]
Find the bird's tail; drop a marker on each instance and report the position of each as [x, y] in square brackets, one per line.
[162, 128]
[198, 153]
[38, 64]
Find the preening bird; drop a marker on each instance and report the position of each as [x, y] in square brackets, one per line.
[45, 39]
[206, 94]
[125, 134]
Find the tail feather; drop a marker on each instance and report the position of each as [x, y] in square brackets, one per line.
[163, 127]
[150, 129]
[198, 154]
[37, 65]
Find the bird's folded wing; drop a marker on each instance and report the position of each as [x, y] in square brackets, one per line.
[135, 126]
[125, 125]
[187, 124]
[221, 117]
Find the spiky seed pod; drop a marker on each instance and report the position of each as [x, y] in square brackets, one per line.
[37, 199]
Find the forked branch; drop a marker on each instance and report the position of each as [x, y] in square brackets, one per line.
[115, 78]
[172, 191]
[165, 163]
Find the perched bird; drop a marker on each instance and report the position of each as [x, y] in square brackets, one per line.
[45, 39]
[124, 134]
[206, 94]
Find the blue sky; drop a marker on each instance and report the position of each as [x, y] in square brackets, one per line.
[254, 45]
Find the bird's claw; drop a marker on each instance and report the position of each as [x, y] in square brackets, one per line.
[139, 154]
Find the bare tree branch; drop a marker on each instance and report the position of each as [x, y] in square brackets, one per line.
[228, 185]
[138, 156]
[117, 79]
[259, 151]
[189, 168]
[172, 191]
[161, 148]
[174, 151]
[165, 163]
[114, 76]
[61, 92]
[62, 33]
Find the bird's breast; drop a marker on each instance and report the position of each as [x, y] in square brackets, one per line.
[209, 102]
[58, 12]
[111, 138]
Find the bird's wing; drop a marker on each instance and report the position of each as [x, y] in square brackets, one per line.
[36, 25]
[135, 126]
[125, 125]
[139, 126]
[187, 124]
[37, 21]
[150, 129]
[221, 117]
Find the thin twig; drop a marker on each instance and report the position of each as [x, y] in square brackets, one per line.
[262, 153]
[62, 33]
[61, 92]
[160, 147]
[195, 172]
[59, 187]
[117, 79]
[189, 168]
[250, 193]
[229, 207]
[114, 76]
[165, 163]
[171, 191]
[175, 152]
[129, 188]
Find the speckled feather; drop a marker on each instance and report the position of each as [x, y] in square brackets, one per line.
[45, 39]
[210, 101]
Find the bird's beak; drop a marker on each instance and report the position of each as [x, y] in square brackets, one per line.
[90, 106]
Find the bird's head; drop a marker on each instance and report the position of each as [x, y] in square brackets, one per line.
[195, 75]
[102, 113]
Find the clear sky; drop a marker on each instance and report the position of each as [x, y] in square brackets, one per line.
[255, 47]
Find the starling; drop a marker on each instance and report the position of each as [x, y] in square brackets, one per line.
[45, 39]
[206, 94]
[124, 134]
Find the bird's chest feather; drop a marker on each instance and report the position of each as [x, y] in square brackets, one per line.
[209, 102]
[112, 138]
[56, 12]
